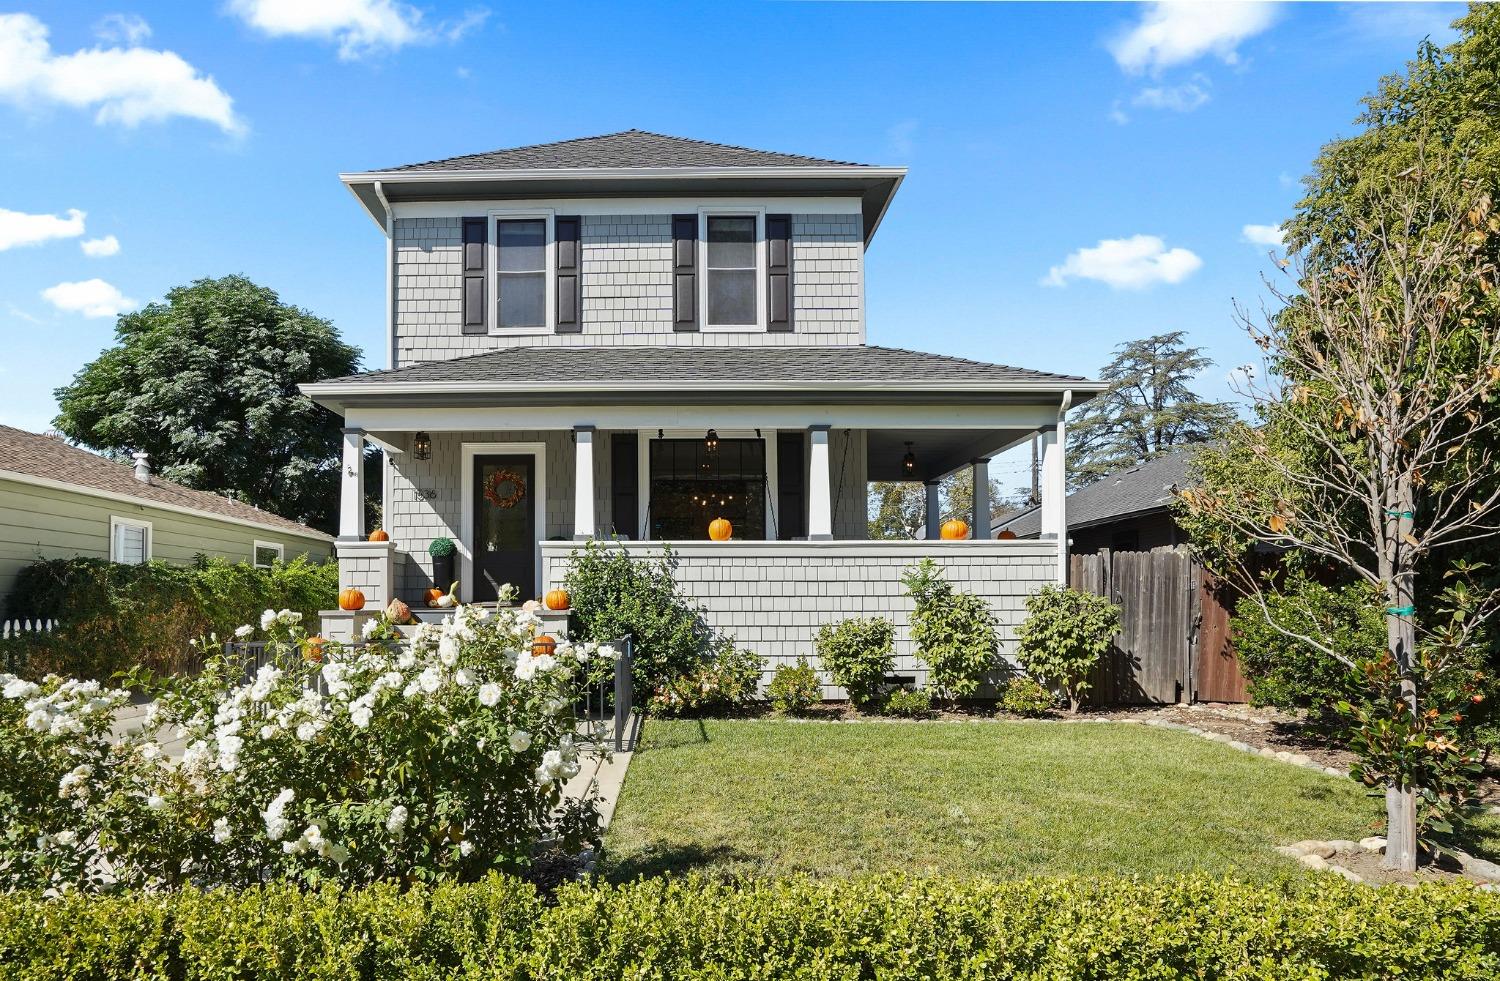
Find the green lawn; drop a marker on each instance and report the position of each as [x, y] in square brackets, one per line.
[999, 798]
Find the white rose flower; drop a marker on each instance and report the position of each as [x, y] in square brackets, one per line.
[221, 830]
[396, 822]
[268, 619]
[18, 688]
[155, 802]
[448, 650]
[360, 716]
[369, 628]
[466, 848]
[337, 854]
[430, 680]
[489, 695]
[463, 677]
[243, 631]
[520, 741]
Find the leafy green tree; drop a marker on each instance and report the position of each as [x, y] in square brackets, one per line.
[1148, 409]
[898, 509]
[206, 383]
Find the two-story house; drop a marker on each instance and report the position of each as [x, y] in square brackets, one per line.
[629, 336]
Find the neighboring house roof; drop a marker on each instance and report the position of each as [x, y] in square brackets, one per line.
[34, 458]
[1135, 490]
[674, 369]
[631, 148]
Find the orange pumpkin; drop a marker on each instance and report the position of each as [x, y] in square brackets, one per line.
[433, 595]
[398, 612]
[351, 599]
[312, 648]
[379, 535]
[543, 645]
[720, 529]
[955, 529]
[557, 599]
[1007, 536]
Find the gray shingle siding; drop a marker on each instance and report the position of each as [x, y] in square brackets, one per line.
[627, 287]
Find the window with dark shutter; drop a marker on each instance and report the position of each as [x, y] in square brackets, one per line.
[791, 481]
[569, 235]
[624, 470]
[685, 272]
[521, 273]
[779, 272]
[475, 238]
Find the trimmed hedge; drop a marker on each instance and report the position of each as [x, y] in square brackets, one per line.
[112, 617]
[693, 928]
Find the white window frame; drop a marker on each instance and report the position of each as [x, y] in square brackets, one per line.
[255, 553]
[116, 522]
[492, 271]
[759, 214]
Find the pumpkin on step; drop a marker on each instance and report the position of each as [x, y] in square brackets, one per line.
[556, 599]
[720, 529]
[351, 599]
[398, 612]
[433, 595]
[379, 535]
[954, 530]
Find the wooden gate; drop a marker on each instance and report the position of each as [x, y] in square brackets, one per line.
[1173, 641]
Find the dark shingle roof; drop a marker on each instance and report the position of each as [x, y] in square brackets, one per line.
[49, 458]
[675, 365]
[632, 148]
[1135, 490]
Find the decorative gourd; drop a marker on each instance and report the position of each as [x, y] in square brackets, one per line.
[351, 599]
[433, 595]
[379, 535]
[312, 648]
[543, 645]
[720, 529]
[955, 529]
[1006, 536]
[556, 599]
[398, 612]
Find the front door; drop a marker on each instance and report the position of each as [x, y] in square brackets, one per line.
[504, 545]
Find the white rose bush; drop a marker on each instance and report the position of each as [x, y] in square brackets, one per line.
[441, 758]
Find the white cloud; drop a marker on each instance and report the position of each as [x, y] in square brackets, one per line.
[1175, 32]
[359, 26]
[1264, 235]
[1126, 264]
[901, 137]
[19, 228]
[98, 248]
[1178, 98]
[128, 86]
[91, 297]
[129, 29]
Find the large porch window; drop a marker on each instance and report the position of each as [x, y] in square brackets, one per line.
[691, 484]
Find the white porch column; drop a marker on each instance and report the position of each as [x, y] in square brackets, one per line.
[1055, 493]
[352, 487]
[819, 485]
[583, 483]
[934, 510]
[982, 525]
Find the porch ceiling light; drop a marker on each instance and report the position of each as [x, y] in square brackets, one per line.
[711, 440]
[421, 446]
[909, 461]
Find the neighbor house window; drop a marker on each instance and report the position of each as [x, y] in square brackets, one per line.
[691, 485]
[129, 540]
[268, 554]
[521, 273]
[732, 271]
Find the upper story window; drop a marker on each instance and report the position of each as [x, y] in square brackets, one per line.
[521, 274]
[732, 270]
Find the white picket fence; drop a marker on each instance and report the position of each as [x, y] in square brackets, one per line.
[15, 628]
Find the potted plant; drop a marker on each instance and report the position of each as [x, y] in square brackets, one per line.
[442, 551]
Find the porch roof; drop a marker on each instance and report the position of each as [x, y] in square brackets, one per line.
[863, 372]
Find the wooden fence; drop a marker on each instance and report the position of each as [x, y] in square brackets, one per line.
[1173, 644]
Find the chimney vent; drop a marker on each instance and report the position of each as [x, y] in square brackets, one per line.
[142, 468]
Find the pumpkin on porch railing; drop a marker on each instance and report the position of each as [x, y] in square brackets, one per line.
[351, 599]
[954, 529]
[720, 529]
[557, 599]
[379, 535]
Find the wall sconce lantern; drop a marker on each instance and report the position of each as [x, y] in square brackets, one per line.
[711, 441]
[909, 461]
[421, 446]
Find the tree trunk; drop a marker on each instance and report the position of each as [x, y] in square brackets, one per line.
[1401, 828]
[1401, 636]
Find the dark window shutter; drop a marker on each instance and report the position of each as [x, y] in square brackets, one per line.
[569, 233]
[779, 272]
[624, 471]
[475, 238]
[791, 497]
[684, 272]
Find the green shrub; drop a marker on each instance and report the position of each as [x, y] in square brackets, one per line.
[1027, 696]
[1288, 673]
[112, 617]
[695, 929]
[794, 688]
[440, 547]
[724, 681]
[1064, 635]
[911, 703]
[954, 632]
[614, 594]
[858, 654]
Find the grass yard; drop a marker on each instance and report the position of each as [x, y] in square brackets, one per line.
[995, 798]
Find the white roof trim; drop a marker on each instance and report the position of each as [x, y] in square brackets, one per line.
[34, 480]
[618, 173]
[316, 389]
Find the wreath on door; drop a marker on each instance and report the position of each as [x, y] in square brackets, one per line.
[495, 488]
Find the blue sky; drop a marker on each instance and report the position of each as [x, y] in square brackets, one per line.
[1137, 139]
